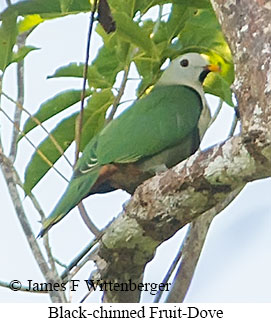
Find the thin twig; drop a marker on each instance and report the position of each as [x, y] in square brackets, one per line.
[60, 263]
[46, 243]
[43, 157]
[91, 226]
[192, 249]
[36, 120]
[8, 172]
[13, 148]
[88, 222]
[42, 216]
[233, 126]
[20, 99]
[218, 109]
[119, 95]
[172, 267]
[78, 258]
[22, 288]
[87, 295]
[80, 265]
[8, 2]
[85, 73]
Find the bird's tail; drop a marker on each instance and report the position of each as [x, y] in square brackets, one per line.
[78, 187]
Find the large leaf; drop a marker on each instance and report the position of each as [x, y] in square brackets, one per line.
[144, 5]
[48, 8]
[94, 115]
[38, 167]
[130, 31]
[8, 33]
[149, 68]
[103, 71]
[52, 107]
[71, 70]
[216, 85]
[64, 134]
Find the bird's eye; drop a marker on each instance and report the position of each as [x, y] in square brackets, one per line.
[184, 62]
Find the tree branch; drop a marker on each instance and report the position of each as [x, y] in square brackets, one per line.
[20, 99]
[7, 169]
[173, 266]
[167, 202]
[192, 250]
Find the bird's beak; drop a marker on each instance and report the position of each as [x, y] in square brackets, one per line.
[213, 68]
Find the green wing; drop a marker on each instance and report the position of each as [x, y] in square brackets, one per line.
[158, 121]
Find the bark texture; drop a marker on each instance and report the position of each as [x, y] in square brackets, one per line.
[166, 203]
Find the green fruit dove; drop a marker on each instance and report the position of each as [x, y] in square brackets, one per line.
[155, 133]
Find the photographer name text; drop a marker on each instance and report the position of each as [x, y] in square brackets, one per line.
[100, 285]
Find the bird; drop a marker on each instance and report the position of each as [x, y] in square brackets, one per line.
[154, 134]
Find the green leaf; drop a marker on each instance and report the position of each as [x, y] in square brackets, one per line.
[103, 71]
[71, 70]
[149, 68]
[22, 53]
[38, 167]
[96, 80]
[66, 5]
[94, 115]
[216, 85]
[8, 34]
[48, 8]
[203, 30]
[52, 107]
[131, 32]
[64, 134]
[175, 24]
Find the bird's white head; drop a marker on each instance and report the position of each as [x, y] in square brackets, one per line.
[189, 69]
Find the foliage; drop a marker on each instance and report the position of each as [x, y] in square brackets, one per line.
[189, 26]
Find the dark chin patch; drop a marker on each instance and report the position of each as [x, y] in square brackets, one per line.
[203, 75]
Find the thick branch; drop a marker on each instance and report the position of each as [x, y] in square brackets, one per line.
[165, 203]
[246, 26]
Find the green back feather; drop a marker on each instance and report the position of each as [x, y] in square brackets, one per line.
[157, 121]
